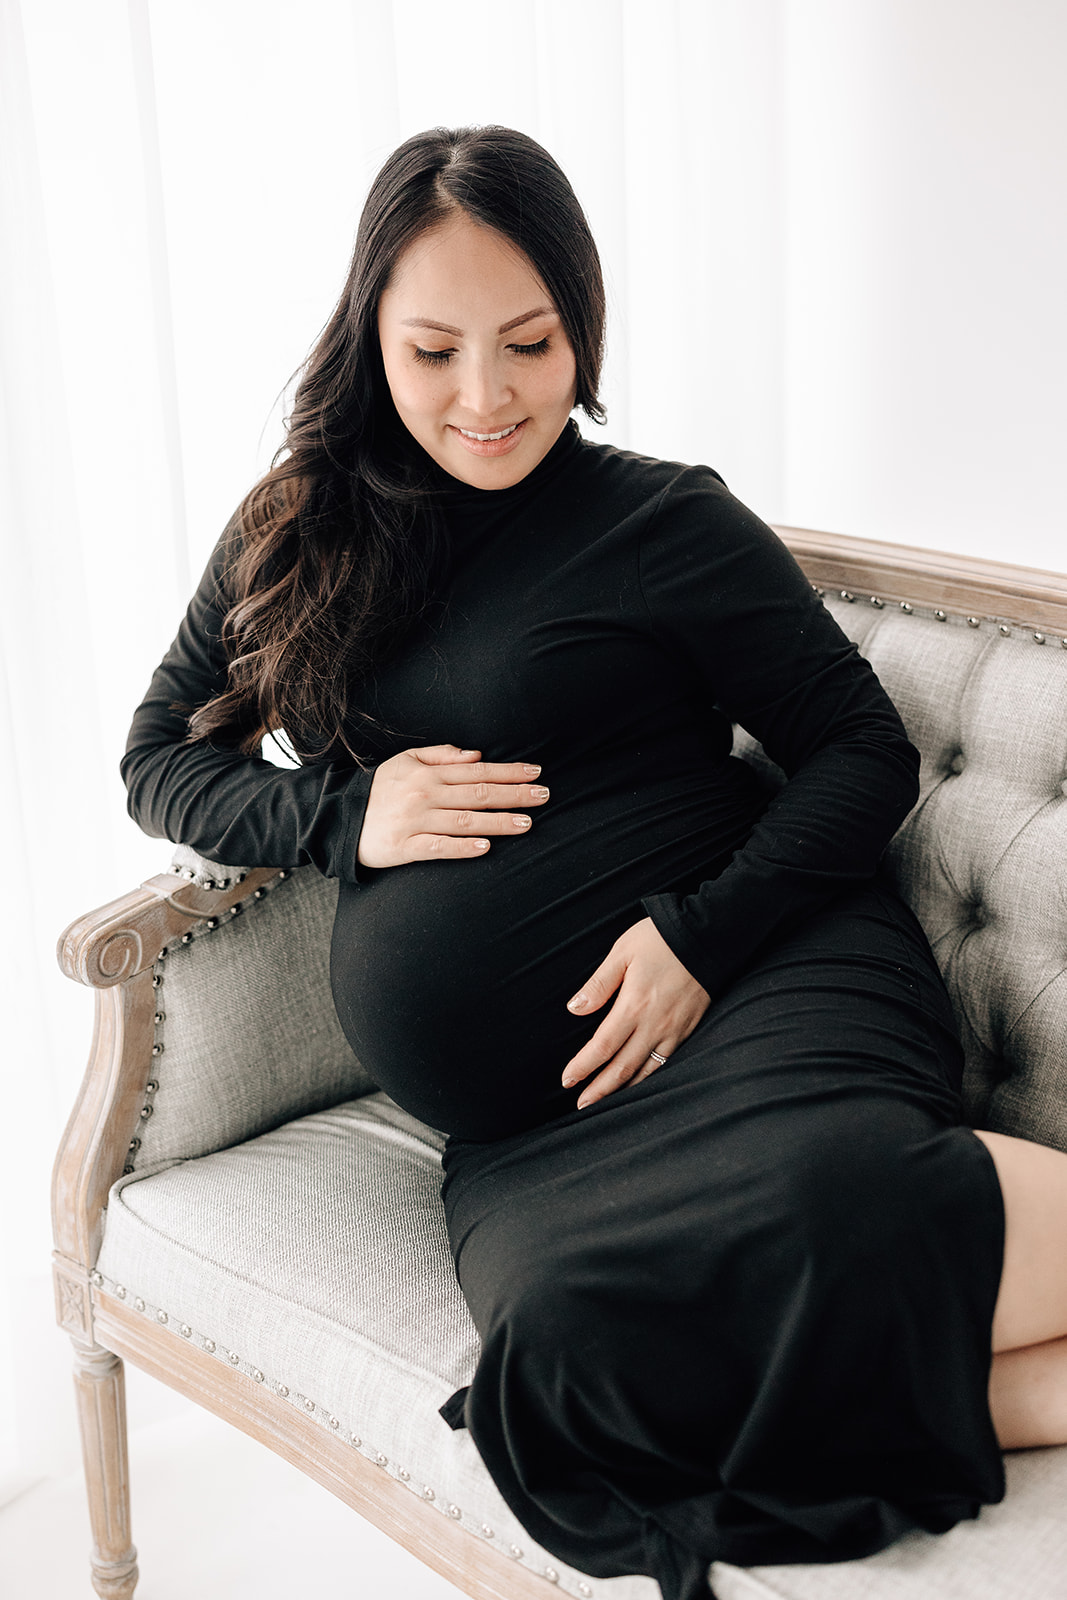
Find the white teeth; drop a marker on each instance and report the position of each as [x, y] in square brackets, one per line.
[485, 436]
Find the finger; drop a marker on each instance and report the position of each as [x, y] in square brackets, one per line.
[433, 755]
[600, 987]
[462, 823]
[493, 773]
[613, 1036]
[494, 796]
[443, 847]
[631, 1065]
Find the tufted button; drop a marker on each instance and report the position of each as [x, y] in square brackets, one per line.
[957, 763]
[979, 914]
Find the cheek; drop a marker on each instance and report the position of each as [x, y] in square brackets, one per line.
[414, 392]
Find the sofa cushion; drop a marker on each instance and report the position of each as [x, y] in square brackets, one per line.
[362, 1323]
[314, 1257]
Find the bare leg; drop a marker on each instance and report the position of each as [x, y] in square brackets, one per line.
[1028, 1383]
[1028, 1395]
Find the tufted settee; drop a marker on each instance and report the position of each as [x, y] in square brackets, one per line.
[241, 1213]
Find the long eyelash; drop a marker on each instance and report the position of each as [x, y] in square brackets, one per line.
[537, 349]
[433, 358]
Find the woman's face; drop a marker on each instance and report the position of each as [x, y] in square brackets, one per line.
[473, 347]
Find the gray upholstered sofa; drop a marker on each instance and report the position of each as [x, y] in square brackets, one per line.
[241, 1213]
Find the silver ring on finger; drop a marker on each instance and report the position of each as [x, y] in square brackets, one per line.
[654, 1055]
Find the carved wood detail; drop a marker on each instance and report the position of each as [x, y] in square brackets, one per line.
[967, 585]
[74, 1309]
[123, 938]
[99, 1384]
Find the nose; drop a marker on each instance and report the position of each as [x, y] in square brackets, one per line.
[485, 389]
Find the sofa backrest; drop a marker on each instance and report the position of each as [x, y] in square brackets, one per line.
[982, 859]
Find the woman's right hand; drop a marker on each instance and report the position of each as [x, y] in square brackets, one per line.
[438, 803]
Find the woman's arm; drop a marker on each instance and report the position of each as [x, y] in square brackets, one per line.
[725, 596]
[229, 806]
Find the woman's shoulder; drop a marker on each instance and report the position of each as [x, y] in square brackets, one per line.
[648, 476]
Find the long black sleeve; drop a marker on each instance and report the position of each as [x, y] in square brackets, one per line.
[724, 595]
[231, 807]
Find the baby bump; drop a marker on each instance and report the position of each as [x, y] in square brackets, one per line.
[451, 978]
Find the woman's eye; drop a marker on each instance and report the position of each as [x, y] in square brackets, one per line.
[537, 349]
[433, 358]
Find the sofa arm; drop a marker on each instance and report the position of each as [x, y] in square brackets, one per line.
[214, 1023]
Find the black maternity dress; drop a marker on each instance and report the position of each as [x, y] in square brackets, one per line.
[741, 1310]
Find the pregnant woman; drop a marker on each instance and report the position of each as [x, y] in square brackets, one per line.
[738, 1270]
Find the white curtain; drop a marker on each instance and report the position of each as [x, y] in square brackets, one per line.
[179, 186]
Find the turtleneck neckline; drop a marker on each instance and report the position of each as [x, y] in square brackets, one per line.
[455, 495]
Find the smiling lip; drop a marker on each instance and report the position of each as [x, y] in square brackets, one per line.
[481, 446]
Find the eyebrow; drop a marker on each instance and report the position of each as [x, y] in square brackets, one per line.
[443, 327]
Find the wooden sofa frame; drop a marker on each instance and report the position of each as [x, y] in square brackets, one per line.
[113, 951]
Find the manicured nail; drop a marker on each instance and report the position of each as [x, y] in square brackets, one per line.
[521, 822]
[583, 1101]
[480, 844]
[578, 1002]
[531, 771]
[540, 793]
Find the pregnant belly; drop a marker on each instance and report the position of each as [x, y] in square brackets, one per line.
[451, 978]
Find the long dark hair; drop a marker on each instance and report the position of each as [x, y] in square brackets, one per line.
[335, 550]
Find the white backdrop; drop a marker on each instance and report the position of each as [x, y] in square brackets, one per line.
[834, 235]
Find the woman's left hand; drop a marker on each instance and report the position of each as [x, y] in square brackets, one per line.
[659, 1004]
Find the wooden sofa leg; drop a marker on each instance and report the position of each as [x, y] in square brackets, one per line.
[99, 1382]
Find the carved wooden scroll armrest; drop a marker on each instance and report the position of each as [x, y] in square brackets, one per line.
[113, 950]
[119, 940]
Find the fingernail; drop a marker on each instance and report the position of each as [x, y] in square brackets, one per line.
[531, 771]
[539, 793]
[583, 1101]
[577, 1003]
[521, 822]
[481, 844]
